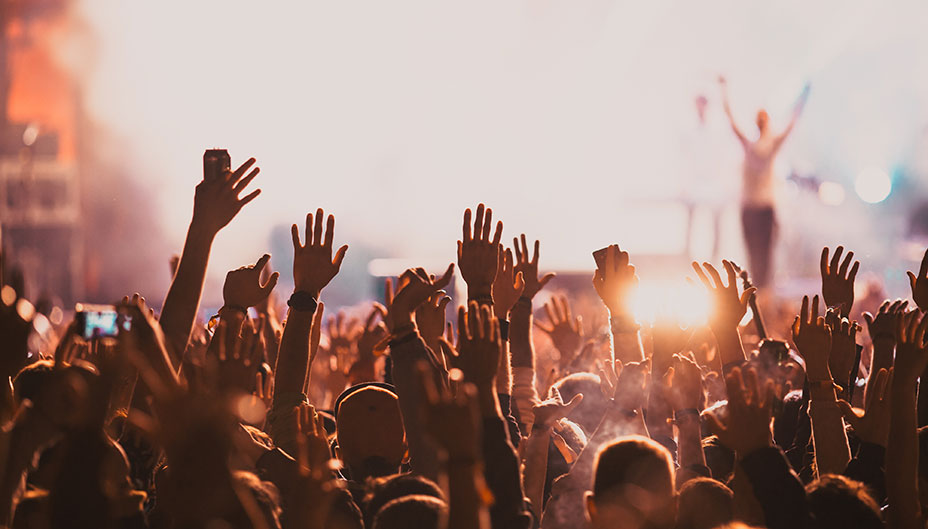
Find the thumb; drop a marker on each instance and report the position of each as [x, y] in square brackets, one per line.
[573, 403]
[868, 318]
[848, 412]
[271, 283]
[911, 279]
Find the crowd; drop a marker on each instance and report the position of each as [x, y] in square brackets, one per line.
[405, 420]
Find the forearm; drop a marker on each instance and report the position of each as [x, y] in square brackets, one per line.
[293, 359]
[689, 448]
[902, 466]
[406, 353]
[779, 491]
[465, 507]
[501, 471]
[179, 311]
[829, 437]
[731, 350]
[626, 340]
[535, 467]
[522, 352]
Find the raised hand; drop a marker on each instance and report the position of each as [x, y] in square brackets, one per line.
[217, 198]
[451, 420]
[883, 325]
[529, 268]
[616, 282]
[415, 287]
[243, 287]
[813, 340]
[479, 345]
[838, 281]
[478, 254]
[683, 381]
[239, 356]
[843, 346]
[554, 409]
[430, 318]
[507, 287]
[566, 332]
[626, 385]
[911, 347]
[919, 284]
[747, 427]
[872, 425]
[727, 307]
[313, 264]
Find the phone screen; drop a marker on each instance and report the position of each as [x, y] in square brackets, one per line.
[101, 321]
[600, 257]
[216, 162]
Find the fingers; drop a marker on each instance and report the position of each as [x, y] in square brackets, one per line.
[517, 250]
[262, 262]
[573, 403]
[813, 315]
[842, 272]
[835, 259]
[716, 278]
[309, 229]
[478, 222]
[339, 257]
[317, 227]
[445, 279]
[271, 283]
[923, 269]
[487, 223]
[295, 236]
[243, 183]
[237, 174]
[248, 198]
[329, 231]
[849, 414]
[701, 275]
[823, 263]
[498, 235]
[466, 235]
[730, 271]
[535, 254]
[544, 280]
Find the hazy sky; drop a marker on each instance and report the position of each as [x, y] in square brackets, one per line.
[567, 117]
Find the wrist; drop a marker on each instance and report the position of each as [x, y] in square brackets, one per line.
[478, 291]
[200, 230]
[309, 289]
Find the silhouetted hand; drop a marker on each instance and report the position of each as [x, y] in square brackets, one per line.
[313, 264]
[838, 281]
[479, 345]
[616, 282]
[683, 381]
[415, 287]
[430, 318]
[919, 284]
[813, 340]
[627, 384]
[216, 201]
[529, 268]
[566, 332]
[872, 424]
[747, 427]
[239, 356]
[507, 287]
[911, 348]
[554, 409]
[883, 325]
[452, 420]
[843, 345]
[727, 307]
[478, 254]
[243, 286]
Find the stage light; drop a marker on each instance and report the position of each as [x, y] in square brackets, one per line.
[686, 303]
[831, 193]
[873, 185]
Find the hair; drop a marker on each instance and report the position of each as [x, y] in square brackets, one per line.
[704, 503]
[266, 497]
[837, 502]
[418, 511]
[382, 491]
[27, 384]
[344, 513]
[590, 411]
[635, 461]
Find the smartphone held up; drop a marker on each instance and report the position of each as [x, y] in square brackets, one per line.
[101, 321]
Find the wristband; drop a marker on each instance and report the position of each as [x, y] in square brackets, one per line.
[405, 334]
[685, 413]
[524, 299]
[483, 299]
[302, 301]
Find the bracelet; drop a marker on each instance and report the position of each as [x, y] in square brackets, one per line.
[483, 299]
[302, 301]
[407, 334]
[685, 413]
[524, 299]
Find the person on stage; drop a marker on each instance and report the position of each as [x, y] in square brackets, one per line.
[758, 198]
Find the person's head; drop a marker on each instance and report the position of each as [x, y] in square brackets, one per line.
[369, 430]
[384, 490]
[763, 119]
[590, 410]
[839, 502]
[418, 511]
[633, 486]
[344, 513]
[61, 395]
[704, 503]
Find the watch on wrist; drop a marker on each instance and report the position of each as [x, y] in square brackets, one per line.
[302, 301]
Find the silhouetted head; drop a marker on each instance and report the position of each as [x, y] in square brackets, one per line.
[704, 503]
[418, 511]
[633, 486]
[384, 490]
[839, 502]
[763, 120]
[371, 438]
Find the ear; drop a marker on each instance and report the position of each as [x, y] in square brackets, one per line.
[590, 506]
